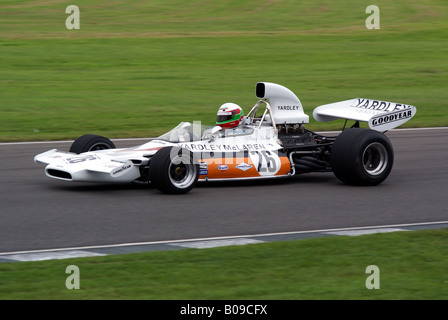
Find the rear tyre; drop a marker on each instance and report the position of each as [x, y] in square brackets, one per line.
[362, 157]
[174, 170]
[91, 142]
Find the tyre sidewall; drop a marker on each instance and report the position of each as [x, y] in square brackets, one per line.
[159, 170]
[347, 156]
[88, 142]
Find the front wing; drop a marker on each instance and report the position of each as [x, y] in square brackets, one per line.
[87, 167]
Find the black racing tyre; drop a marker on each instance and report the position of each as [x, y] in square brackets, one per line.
[362, 156]
[174, 170]
[91, 142]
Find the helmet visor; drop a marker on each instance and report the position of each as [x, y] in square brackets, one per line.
[223, 117]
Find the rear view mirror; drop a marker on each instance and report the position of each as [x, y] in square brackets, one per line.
[214, 133]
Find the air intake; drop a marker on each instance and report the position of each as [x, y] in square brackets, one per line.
[59, 174]
[260, 90]
[285, 106]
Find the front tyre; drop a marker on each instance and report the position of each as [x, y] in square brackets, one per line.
[174, 170]
[91, 142]
[362, 157]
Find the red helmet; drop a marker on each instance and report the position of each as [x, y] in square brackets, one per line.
[229, 115]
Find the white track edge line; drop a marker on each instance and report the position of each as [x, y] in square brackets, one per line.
[223, 237]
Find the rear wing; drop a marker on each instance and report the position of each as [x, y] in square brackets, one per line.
[380, 115]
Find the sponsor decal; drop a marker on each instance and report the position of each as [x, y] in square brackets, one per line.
[222, 147]
[203, 168]
[223, 167]
[379, 105]
[110, 166]
[137, 149]
[396, 116]
[121, 170]
[244, 166]
[290, 108]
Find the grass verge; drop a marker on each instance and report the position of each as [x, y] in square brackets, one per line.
[138, 68]
[412, 266]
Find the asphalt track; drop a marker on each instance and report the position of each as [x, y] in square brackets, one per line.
[38, 213]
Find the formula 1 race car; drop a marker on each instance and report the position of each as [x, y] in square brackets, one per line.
[269, 142]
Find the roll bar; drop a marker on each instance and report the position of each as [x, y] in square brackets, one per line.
[253, 112]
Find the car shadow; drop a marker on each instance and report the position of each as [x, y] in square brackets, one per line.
[101, 187]
[303, 179]
[312, 178]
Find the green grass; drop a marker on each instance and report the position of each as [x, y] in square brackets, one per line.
[137, 68]
[412, 266]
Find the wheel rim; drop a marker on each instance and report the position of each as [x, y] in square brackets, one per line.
[375, 158]
[99, 146]
[181, 174]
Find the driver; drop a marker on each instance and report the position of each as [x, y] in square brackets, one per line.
[229, 115]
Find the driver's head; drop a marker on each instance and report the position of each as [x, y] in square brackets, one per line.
[229, 115]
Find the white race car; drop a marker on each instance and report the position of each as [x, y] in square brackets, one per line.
[271, 142]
